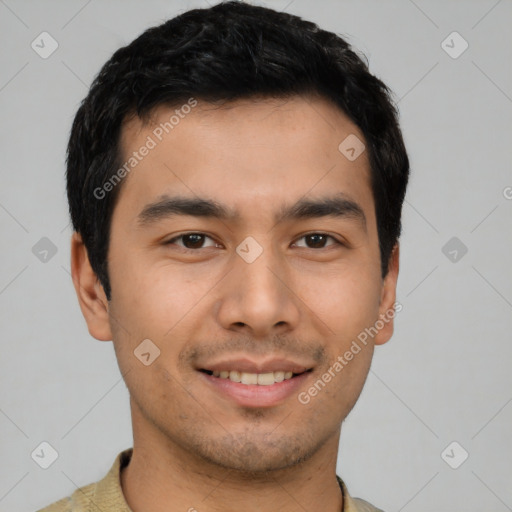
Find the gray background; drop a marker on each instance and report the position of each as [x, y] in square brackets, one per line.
[445, 376]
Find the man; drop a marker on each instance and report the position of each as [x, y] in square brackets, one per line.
[235, 179]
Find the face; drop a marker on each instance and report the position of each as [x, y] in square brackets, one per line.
[244, 246]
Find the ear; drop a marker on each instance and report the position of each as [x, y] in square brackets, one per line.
[388, 299]
[91, 296]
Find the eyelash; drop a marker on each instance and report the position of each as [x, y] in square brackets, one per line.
[187, 249]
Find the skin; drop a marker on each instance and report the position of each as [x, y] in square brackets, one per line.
[301, 298]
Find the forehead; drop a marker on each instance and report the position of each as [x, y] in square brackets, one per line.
[251, 153]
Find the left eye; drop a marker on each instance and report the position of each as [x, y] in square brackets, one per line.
[317, 240]
[192, 240]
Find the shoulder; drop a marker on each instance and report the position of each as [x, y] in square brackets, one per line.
[351, 504]
[63, 505]
[103, 496]
[79, 501]
[364, 506]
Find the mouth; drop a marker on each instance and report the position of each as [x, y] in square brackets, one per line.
[259, 379]
[250, 384]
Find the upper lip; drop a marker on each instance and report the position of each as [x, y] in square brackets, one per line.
[250, 366]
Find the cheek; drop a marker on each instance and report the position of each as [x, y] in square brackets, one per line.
[338, 385]
[152, 297]
[348, 304]
[159, 302]
[346, 300]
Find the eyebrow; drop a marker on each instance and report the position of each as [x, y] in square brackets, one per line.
[165, 207]
[339, 206]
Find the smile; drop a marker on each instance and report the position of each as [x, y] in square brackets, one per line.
[260, 379]
[261, 387]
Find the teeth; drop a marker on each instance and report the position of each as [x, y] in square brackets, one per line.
[249, 378]
[266, 379]
[235, 376]
[262, 379]
[279, 376]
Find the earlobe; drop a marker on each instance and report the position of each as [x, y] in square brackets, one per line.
[388, 299]
[91, 297]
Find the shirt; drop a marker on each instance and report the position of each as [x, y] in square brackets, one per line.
[107, 494]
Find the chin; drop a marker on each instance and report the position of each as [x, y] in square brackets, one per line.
[253, 456]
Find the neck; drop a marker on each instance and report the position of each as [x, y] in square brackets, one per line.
[162, 476]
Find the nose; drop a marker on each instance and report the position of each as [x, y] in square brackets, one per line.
[257, 298]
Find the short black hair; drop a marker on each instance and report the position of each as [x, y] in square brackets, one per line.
[230, 51]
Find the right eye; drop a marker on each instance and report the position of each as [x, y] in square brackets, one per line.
[191, 241]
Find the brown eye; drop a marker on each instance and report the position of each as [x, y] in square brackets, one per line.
[192, 241]
[316, 241]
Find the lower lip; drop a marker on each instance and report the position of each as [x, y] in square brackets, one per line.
[254, 395]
